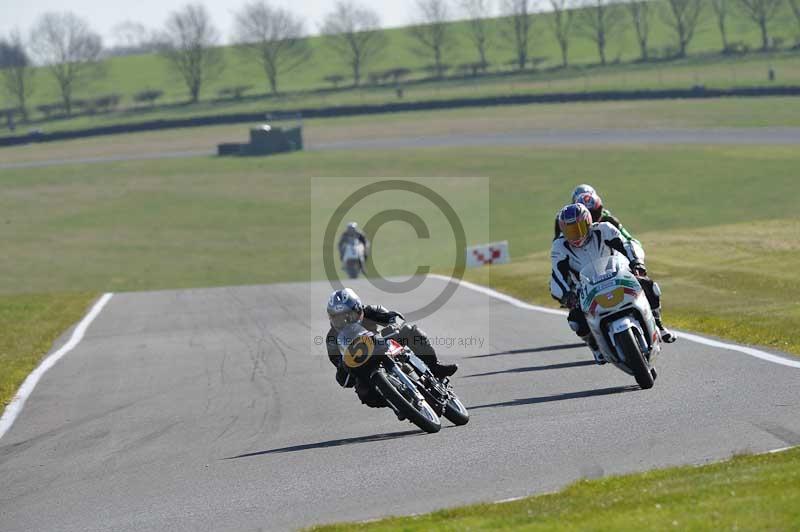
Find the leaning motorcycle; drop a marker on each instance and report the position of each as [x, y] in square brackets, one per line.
[353, 258]
[400, 377]
[620, 317]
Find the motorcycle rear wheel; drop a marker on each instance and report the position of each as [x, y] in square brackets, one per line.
[381, 381]
[635, 359]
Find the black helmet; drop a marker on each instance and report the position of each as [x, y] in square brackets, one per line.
[344, 307]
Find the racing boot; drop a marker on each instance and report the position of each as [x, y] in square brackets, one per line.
[599, 359]
[442, 371]
[439, 370]
[667, 336]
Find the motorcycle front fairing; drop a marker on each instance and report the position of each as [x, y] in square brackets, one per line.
[353, 250]
[613, 301]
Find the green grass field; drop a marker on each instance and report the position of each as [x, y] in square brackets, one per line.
[745, 493]
[128, 75]
[205, 221]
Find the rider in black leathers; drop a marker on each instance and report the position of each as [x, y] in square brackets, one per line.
[353, 233]
[375, 318]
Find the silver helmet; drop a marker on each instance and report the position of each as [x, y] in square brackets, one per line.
[344, 307]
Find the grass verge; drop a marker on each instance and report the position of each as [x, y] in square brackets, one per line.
[735, 281]
[744, 493]
[30, 324]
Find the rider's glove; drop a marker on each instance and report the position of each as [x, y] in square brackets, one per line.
[570, 300]
[394, 315]
[638, 268]
[344, 377]
[390, 316]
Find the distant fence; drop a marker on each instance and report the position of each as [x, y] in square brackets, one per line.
[399, 107]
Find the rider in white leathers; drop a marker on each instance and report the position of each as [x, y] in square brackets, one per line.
[581, 243]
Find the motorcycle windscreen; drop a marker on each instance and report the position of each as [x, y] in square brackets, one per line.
[353, 251]
[603, 269]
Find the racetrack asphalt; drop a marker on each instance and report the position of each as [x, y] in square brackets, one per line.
[549, 137]
[213, 410]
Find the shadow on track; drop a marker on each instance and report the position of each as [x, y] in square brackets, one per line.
[559, 397]
[332, 443]
[562, 365]
[545, 349]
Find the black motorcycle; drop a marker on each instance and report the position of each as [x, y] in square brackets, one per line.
[401, 378]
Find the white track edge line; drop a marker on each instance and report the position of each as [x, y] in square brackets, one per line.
[14, 408]
[750, 351]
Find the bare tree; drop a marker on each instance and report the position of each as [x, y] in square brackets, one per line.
[561, 20]
[433, 31]
[598, 21]
[683, 16]
[188, 43]
[761, 12]
[478, 25]
[721, 10]
[69, 49]
[132, 38]
[272, 36]
[518, 21]
[16, 71]
[639, 10]
[354, 32]
[796, 9]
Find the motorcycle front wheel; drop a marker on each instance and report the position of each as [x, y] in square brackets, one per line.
[456, 412]
[424, 417]
[352, 268]
[635, 360]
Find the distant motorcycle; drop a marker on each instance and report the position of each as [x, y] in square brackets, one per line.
[620, 318]
[400, 377]
[353, 258]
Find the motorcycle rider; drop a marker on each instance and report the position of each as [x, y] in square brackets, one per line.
[345, 307]
[583, 241]
[353, 233]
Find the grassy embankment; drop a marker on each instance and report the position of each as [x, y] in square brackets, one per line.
[745, 493]
[714, 113]
[300, 87]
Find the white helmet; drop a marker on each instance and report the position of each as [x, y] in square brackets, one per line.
[580, 190]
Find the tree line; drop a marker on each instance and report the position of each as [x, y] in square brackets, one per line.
[276, 40]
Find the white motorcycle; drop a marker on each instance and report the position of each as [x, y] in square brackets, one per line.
[620, 317]
[353, 258]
